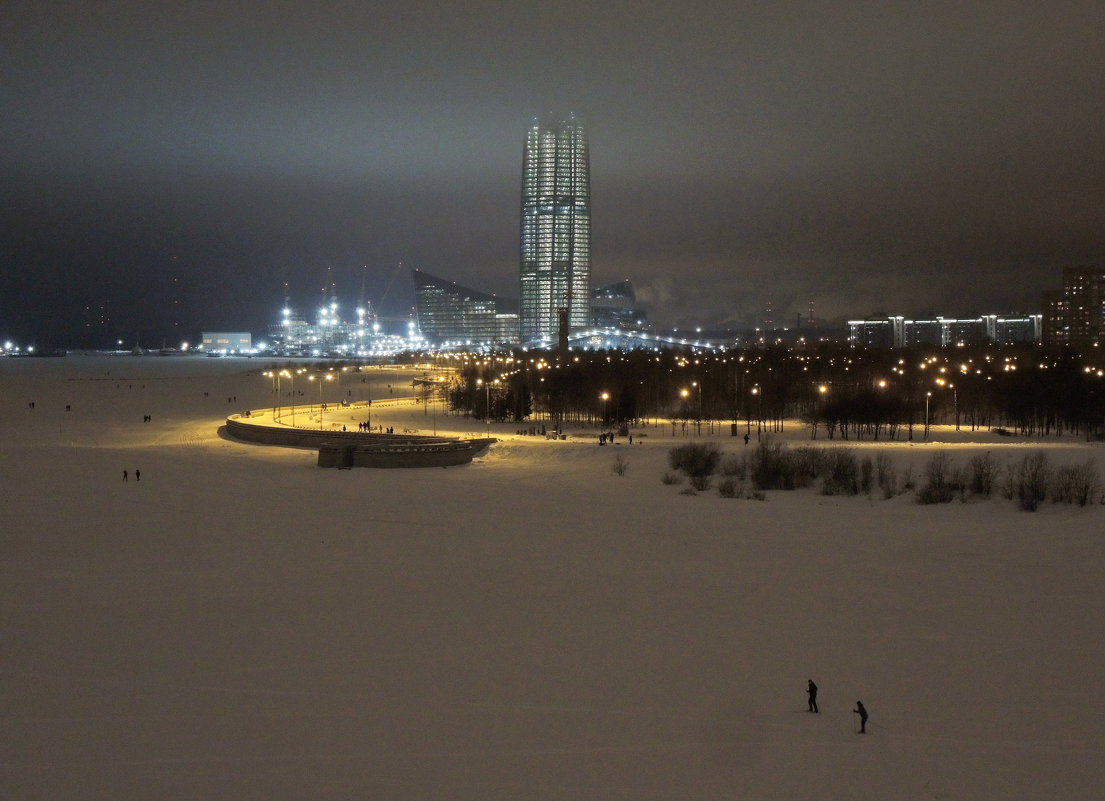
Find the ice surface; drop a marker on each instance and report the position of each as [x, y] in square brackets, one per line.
[242, 625]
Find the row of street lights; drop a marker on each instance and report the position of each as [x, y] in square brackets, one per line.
[276, 375]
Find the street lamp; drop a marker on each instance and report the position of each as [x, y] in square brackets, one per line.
[291, 375]
[700, 415]
[760, 418]
[321, 378]
[955, 398]
[275, 377]
[928, 395]
[287, 374]
[487, 403]
[605, 416]
[433, 400]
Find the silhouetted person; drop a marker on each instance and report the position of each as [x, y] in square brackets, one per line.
[125, 475]
[137, 475]
[859, 710]
[811, 690]
[746, 438]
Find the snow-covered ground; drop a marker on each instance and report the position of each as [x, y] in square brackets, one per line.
[240, 624]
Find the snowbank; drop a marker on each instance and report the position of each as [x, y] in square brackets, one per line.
[241, 624]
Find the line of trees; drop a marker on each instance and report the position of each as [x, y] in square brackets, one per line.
[837, 391]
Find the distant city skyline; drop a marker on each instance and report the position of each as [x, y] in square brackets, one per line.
[169, 169]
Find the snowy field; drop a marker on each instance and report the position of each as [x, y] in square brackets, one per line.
[240, 624]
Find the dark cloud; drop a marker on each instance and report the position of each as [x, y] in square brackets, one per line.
[181, 161]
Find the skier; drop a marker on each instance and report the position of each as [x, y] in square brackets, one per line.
[811, 690]
[859, 710]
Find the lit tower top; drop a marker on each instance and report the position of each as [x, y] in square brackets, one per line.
[555, 266]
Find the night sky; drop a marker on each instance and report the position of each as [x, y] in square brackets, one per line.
[167, 166]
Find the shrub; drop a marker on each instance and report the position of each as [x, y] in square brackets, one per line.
[695, 458]
[734, 465]
[885, 475]
[939, 484]
[908, 484]
[1086, 483]
[621, 464]
[841, 473]
[700, 483]
[806, 464]
[866, 474]
[728, 487]
[768, 467]
[959, 483]
[982, 473]
[1075, 483]
[671, 478]
[1027, 480]
[687, 491]
[772, 466]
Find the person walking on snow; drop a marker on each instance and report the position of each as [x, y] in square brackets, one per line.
[124, 475]
[859, 710]
[137, 475]
[811, 690]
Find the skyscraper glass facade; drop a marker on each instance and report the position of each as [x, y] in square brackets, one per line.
[454, 314]
[555, 269]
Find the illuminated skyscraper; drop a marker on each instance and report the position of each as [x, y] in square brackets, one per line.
[555, 269]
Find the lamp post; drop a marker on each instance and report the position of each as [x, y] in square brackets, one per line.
[321, 378]
[434, 398]
[605, 397]
[291, 375]
[287, 374]
[698, 424]
[275, 378]
[760, 414]
[928, 395]
[487, 403]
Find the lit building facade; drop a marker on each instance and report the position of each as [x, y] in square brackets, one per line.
[897, 332]
[615, 306]
[555, 241]
[451, 314]
[226, 341]
[1075, 315]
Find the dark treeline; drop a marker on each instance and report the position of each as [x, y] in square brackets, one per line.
[838, 391]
